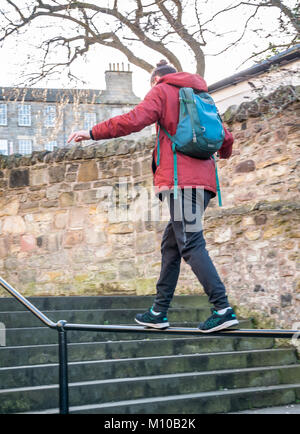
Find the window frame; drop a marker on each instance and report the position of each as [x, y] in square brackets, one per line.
[53, 144]
[87, 121]
[23, 116]
[7, 147]
[50, 114]
[3, 123]
[28, 141]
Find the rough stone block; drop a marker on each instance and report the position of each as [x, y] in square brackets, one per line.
[52, 192]
[223, 235]
[4, 248]
[89, 196]
[78, 218]
[127, 270]
[53, 242]
[286, 300]
[82, 186]
[120, 228]
[28, 243]
[66, 199]
[88, 171]
[145, 243]
[9, 207]
[14, 225]
[61, 220]
[18, 178]
[245, 167]
[253, 235]
[57, 173]
[39, 177]
[73, 238]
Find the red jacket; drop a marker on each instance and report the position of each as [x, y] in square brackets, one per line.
[161, 105]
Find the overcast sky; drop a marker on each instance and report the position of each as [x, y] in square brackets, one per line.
[17, 53]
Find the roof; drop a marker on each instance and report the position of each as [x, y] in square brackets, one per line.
[23, 94]
[286, 57]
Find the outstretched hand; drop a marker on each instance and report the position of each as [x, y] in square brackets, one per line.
[78, 136]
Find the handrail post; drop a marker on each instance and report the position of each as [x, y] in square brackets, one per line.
[63, 369]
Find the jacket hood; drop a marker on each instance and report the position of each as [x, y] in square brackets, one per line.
[185, 79]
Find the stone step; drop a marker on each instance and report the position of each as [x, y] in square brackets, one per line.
[36, 375]
[107, 391]
[99, 302]
[138, 373]
[214, 402]
[30, 355]
[284, 409]
[44, 335]
[97, 316]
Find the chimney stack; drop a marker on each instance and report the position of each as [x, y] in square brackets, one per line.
[119, 85]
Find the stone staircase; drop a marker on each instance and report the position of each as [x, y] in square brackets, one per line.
[137, 373]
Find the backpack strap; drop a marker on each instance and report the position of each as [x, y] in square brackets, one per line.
[175, 171]
[174, 160]
[187, 97]
[158, 146]
[218, 183]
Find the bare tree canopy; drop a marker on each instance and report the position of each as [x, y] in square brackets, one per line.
[73, 27]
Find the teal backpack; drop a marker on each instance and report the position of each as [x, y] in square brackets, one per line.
[200, 133]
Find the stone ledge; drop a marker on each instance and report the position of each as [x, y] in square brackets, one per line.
[282, 206]
[99, 150]
[270, 104]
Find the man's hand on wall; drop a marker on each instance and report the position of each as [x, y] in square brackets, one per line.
[78, 136]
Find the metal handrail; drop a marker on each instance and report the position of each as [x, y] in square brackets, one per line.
[36, 312]
[63, 326]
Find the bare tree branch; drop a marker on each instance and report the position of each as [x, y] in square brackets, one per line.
[180, 29]
[154, 24]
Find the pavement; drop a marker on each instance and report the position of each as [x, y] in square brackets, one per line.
[285, 409]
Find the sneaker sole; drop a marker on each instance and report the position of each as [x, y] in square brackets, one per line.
[152, 325]
[223, 326]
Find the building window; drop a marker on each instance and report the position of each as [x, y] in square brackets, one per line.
[116, 111]
[3, 114]
[50, 146]
[3, 147]
[89, 120]
[24, 115]
[25, 146]
[50, 116]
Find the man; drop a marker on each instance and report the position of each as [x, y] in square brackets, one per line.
[183, 236]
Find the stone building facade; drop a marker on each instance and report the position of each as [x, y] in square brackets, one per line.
[59, 234]
[37, 119]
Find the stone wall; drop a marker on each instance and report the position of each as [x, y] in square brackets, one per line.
[57, 236]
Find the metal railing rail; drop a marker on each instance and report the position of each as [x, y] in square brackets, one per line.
[63, 326]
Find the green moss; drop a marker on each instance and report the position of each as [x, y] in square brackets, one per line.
[145, 286]
[81, 277]
[259, 320]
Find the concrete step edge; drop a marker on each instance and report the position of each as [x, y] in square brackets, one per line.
[190, 338]
[115, 361]
[154, 377]
[223, 393]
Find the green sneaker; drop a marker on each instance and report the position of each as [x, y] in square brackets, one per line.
[218, 322]
[148, 319]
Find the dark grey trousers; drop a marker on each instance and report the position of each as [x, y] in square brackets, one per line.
[183, 238]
